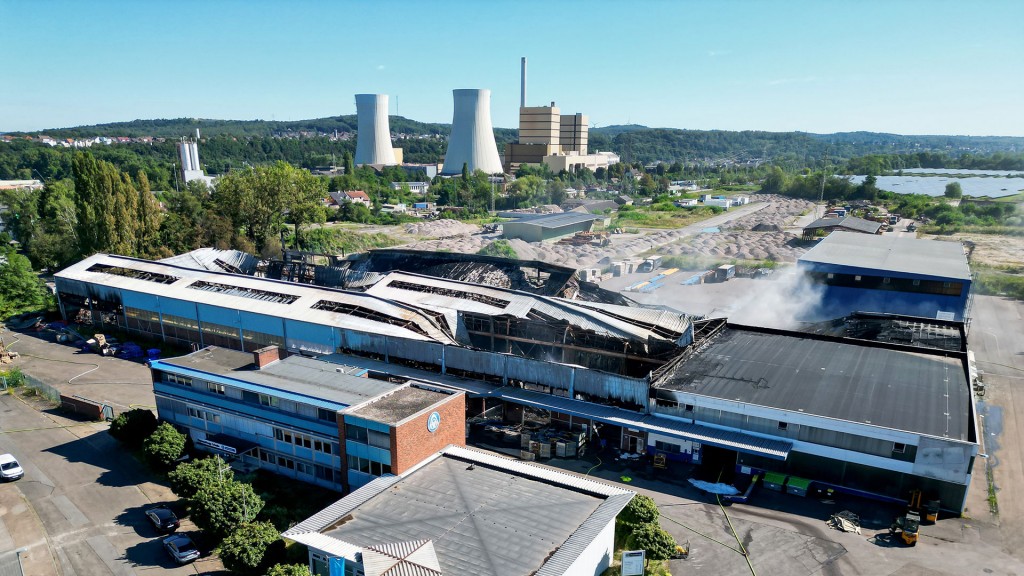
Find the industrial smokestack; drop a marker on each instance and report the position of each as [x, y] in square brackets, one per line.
[373, 142]
[472, 138]
[522, 86]
[194, 153]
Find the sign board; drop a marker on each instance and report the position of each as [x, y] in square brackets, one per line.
[218, 446]
[940, 315]
[433, 421]
[633, 563]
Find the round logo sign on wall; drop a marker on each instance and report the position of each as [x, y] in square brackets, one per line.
[434, 421]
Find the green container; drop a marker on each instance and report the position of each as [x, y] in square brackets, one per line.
[774, 481]
[797, 486]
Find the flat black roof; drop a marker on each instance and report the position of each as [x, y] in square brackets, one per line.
[857, 382]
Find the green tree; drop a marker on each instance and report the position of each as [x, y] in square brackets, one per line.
[953, 190]
[349, 164]
[289, 570]
[20, 289]
[775, 182]
[640, 510]
[244, 551]
[255, 200]
[221, 507]
[147, 238]
[163, 446]
[190, 477]
[134, 426]
[651, 538]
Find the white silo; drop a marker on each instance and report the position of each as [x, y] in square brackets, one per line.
[194, 153]
[472, 138]
[373, 143]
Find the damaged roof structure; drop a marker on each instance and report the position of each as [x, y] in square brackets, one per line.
[415, 308]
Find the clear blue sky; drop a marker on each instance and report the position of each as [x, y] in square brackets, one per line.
[909, 67]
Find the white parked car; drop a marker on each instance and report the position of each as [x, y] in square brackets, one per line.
[9, 468]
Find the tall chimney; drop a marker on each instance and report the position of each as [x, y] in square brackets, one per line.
[522, 86]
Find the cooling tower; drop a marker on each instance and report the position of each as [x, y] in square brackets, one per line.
[472, 138]
[373, 143]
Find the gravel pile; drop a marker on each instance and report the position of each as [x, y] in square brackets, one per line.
[736, 241]
[441, 228]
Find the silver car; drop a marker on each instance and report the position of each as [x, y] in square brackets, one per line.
[181, 548]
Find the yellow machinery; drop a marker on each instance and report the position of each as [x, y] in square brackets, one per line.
[906, 527]
[929, 511]
[659, 461]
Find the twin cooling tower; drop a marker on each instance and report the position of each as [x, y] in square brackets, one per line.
[471, 141]
[373, 145]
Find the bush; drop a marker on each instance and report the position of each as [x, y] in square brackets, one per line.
[659, 544]
[245, 550]
[289, 570]
[163, 446]
[133, 427]
[500, 248]
[640, 510]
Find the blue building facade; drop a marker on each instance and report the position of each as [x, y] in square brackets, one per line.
[887, 274]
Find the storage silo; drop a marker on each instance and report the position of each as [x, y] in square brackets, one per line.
[373, 143]
[472, 138]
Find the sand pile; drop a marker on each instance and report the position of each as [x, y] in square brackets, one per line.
[441, 228]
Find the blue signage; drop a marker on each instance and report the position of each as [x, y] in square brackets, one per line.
[434, 421]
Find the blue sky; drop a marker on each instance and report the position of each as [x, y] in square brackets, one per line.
[909, 67]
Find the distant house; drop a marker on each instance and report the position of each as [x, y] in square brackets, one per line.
[393, 209]
[420, 188]
[624, 200]
[357, 196]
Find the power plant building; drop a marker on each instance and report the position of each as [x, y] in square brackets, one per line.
[471, 143]
[546, 136]
[373, 142]
[890, 274]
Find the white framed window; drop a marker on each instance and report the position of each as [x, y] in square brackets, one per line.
[899, 448]
[783, 426]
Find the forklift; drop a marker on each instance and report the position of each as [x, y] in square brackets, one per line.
[929, 511]
[906, 527]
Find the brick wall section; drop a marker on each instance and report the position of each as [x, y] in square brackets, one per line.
[266, 355]
[411, 442]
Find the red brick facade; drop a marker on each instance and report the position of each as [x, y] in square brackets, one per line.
[411, 442]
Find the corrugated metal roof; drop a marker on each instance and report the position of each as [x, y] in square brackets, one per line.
[416, 558]
[851, 222]
[214, 260]
[929, 258]
[556, 220]
[615, 320]
[495, 516]
[300, 310]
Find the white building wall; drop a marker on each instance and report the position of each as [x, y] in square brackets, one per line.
[598, 555]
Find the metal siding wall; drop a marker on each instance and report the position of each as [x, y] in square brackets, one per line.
[309, 337]
[361, 341]
[554, 375]
[605, 385]
[261, 323]
[132, 299]
[474, 361]
[427, 352]
[218, 315]
[177, 307]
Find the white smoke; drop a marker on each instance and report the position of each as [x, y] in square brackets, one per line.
[781, 302]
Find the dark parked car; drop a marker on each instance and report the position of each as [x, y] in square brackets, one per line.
[181, 548]
[163, 519]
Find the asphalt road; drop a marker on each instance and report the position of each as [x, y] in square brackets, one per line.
[997, 338]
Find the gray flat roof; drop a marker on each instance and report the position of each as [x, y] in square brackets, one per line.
[483, 519]
[298, 374]
[556, 220]
[851, 222]
[910, 391]
[399, 405]
[891, 253]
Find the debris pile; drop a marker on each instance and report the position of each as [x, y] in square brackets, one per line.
[845, 521]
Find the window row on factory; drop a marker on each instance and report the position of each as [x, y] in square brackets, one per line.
[186, 330]
[267, 401]
[916, 285]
